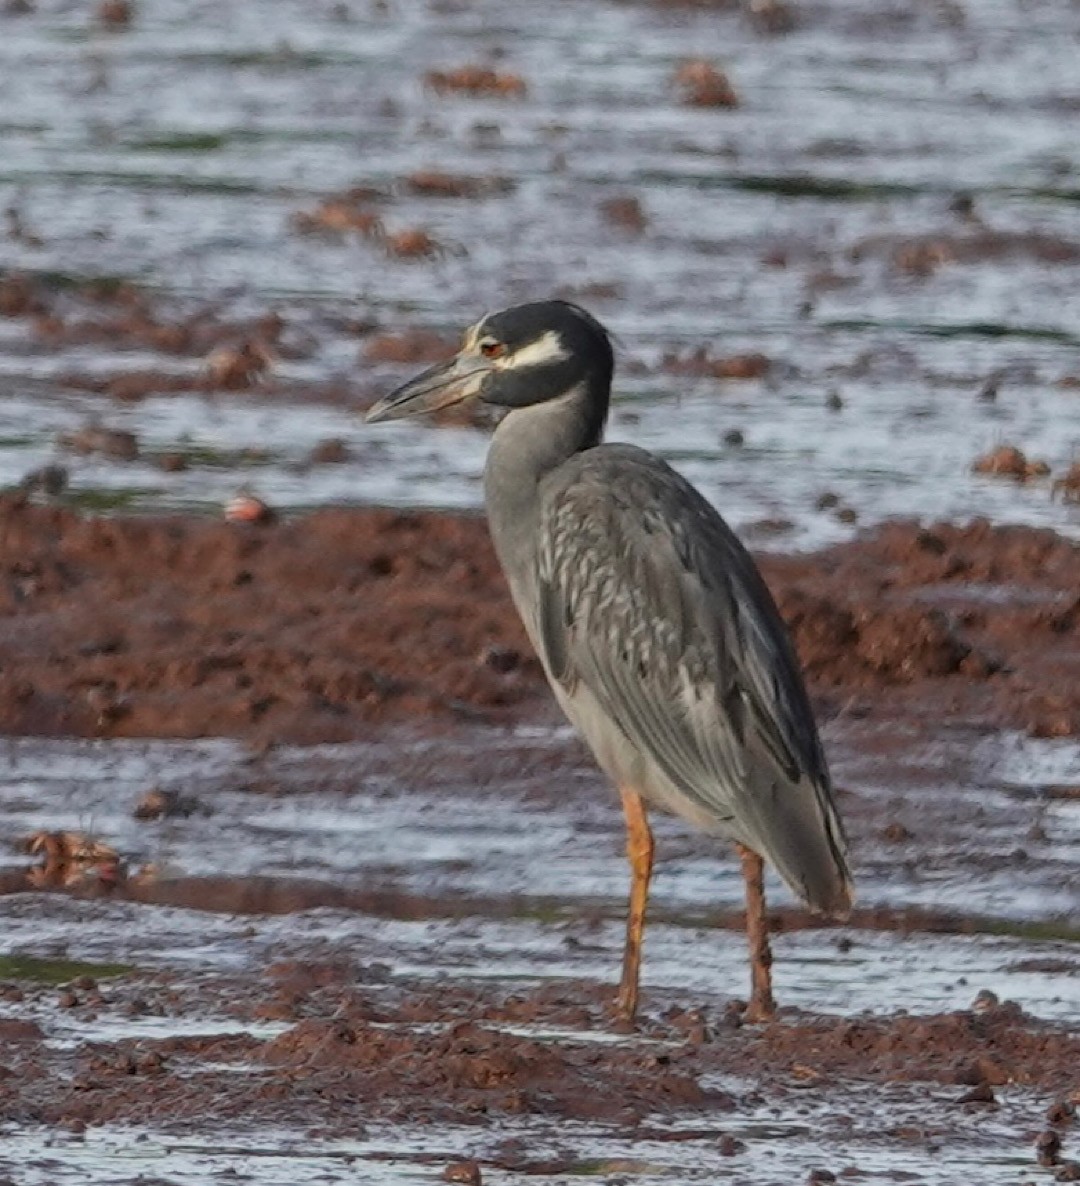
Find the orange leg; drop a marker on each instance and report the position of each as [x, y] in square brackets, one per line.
[762, 1007]
[639, 848]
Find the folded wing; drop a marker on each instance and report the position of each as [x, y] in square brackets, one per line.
[648, 599]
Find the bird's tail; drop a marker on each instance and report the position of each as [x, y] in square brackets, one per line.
[799, 830]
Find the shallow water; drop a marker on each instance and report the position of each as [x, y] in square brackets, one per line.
[782, 1143]
[517, 879]
[523, 875]
[174, 152]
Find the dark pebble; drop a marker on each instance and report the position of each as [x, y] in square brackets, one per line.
[1047, 1147]
[501, 659]
[1061, 1112]
[332, 451]
[963, 205]
[50, 479]
[981, 1093]
[150, 1063]
[985, 1000]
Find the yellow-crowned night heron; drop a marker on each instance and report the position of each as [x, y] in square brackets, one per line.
[657, 632]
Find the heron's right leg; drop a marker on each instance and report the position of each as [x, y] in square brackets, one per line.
[762, 1007]
[639, 849]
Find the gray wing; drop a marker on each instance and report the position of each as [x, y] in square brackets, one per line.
[647, 598]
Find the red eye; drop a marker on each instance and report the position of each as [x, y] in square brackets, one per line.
[492, 349]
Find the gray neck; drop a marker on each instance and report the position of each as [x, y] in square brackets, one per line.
[529, 445]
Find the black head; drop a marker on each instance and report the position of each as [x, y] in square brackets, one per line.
[525, 355]
[540, 351]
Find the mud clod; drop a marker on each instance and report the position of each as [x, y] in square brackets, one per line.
[476, 80]
[773, 17]
[626, 213]
[116, 14]
[342, 214]
[704, 85]
[332, 451]
[1068, 485]
[166, 804]
[413, 347]
[115, 443]
[412, 243]
[430, 183]
[1007, 461]
[73, 860]
[700, 364]
[467, 1172]
[236, 368]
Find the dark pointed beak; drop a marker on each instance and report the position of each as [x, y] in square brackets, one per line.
[440, 386]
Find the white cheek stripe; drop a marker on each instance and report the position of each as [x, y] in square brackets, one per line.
[544, 350]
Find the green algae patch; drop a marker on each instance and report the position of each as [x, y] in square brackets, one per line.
[56, 971]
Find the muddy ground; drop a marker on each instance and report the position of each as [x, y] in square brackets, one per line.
[314, 629]
[421, 918]
[301, 877]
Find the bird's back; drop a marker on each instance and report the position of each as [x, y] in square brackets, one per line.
[650, 610]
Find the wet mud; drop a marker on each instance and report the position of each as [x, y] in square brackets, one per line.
[301, 877]
[473, 1058]
[315, 628]
[402, 951]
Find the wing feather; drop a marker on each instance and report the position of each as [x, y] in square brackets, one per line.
[647, 598]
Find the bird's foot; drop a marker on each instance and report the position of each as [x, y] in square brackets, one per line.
[762, 1008]
[624, 1015]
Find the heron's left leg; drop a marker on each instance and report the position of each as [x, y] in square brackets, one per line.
[639, 849]
[762, 1007]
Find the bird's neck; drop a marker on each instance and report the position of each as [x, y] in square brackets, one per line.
[529, 444]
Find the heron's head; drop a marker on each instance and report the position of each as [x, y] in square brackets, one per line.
[525, 355]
